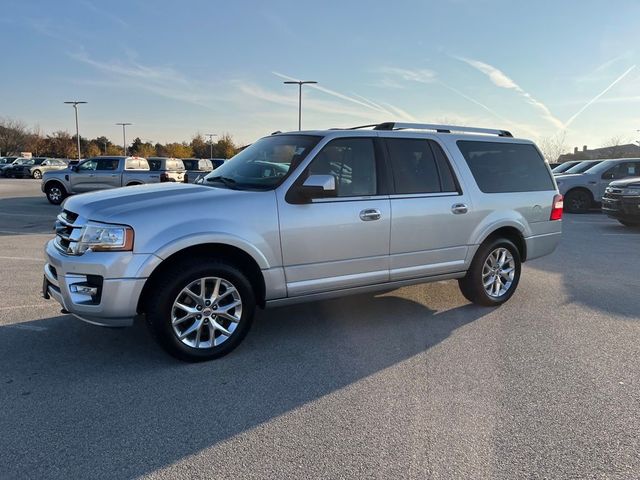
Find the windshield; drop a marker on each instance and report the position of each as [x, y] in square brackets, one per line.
[564, 167]
[582, 167]
[265, 164]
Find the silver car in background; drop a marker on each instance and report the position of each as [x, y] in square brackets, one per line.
[303, 216]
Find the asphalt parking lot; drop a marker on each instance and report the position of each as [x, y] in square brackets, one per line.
[413, 383]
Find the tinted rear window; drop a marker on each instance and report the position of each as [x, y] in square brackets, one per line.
[506, 167]
[190, 164]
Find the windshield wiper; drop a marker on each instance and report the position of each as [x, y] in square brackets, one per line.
[228, 182]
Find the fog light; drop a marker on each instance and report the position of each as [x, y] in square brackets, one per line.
[84, 289]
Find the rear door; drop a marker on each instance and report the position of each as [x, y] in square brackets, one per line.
[341, 242]
[430, 212]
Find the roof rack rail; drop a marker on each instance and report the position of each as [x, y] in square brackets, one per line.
[437, 128]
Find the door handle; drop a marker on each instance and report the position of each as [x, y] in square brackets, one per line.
[114, 175]
[459, 208]
[91, 175]
[370, 214]
[592, 182]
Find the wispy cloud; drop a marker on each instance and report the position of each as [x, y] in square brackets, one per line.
[104, 13]
[597, 97]
[500, 79]
[421, 75]
[160, 80]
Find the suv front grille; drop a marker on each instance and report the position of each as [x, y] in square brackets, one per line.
[67, 232]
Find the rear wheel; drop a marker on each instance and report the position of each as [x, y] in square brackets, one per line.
[201, 310]
[494, 273]
[577, 201]
[37, 174]
[55, 193]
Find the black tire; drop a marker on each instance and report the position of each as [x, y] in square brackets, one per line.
[577, 201]
[472, 286]
[37, 174]
[166, 290]
[133, 183]
[55, 193]
[630, 224]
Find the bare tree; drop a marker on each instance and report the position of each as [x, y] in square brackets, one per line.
[553, 146]
[14, 136]
[616, 146]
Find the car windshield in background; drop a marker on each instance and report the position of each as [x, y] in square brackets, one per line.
[564, 167]
[265, 164]
[582, 167]
[506, 167]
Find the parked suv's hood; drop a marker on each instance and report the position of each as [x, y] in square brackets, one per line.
[121, 204]
[627, 182]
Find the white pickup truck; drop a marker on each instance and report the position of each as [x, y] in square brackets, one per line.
[97, 173]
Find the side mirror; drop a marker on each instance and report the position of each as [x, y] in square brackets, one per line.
[315, 186]
[608, 175]
[74, 168]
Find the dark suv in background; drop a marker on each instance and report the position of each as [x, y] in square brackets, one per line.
[621, 201]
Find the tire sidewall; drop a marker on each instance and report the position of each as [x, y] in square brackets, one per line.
[62, 194]
[160, 305]
[577, 193]
[480, 260]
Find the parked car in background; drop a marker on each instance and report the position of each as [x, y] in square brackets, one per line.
[580, 167]
[168, 169]
[8, 170]
[583, 191]
[97, 173]
[196, 167]
[6, 161]
[303, 216]
[563, 167]
[621, 201]
[47, 165]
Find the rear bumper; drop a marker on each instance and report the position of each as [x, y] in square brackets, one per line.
[541, 245]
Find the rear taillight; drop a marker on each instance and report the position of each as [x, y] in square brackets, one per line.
[164, 177]
[556, 208]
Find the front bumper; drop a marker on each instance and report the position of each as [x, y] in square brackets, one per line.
[623, 208]
[117, 274]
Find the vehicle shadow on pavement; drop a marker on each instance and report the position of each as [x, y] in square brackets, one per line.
[83, 402]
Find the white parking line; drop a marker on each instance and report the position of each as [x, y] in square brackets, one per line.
[26, 215]
[11, 232]
[16, 307]
[27, 259]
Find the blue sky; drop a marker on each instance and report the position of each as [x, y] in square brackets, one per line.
[176, 68]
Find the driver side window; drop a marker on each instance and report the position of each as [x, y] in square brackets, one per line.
[352, 162]
[89, 165]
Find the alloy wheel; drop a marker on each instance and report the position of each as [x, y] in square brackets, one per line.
[498, 272]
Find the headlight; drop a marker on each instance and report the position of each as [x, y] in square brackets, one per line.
[631, 193]
[103, 237]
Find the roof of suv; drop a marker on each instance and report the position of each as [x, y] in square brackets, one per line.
[452, 132]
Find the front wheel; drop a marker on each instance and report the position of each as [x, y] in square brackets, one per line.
[55, 193]
[577, 201]
[494, 273]
[200, 310]
[37, 174]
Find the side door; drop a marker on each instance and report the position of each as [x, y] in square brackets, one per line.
[343, 241]
[107, 174]
[430, 213]
[83, 176]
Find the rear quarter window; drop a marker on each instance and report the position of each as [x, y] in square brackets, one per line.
[500, 167]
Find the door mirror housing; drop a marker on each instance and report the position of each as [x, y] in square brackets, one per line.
[315, 186]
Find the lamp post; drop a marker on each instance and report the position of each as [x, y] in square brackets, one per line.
[124, 136]
[299, 83]
[75, 104]
[211, 135]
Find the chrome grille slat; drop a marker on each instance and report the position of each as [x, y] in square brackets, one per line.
[66, 229]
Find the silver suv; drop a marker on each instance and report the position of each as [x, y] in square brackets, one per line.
[304, 216]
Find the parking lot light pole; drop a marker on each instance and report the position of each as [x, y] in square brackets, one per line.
[211, 135]
[300, 83]
[124, 136]
[75, 104]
